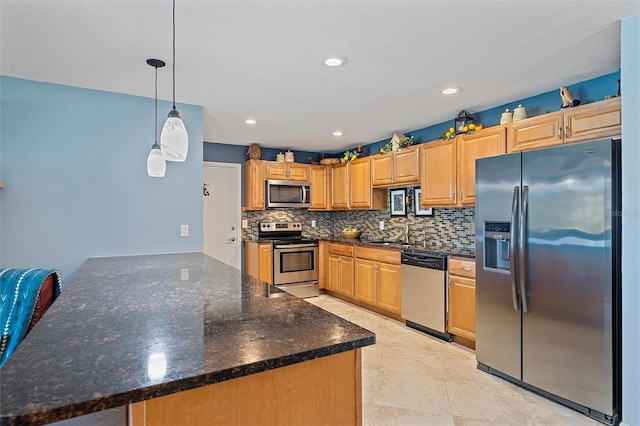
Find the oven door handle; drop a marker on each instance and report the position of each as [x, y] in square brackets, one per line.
[295, 246]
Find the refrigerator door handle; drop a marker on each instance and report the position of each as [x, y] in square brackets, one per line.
[515, 205]
[522, 246]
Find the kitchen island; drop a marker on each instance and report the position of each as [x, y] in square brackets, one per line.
[184, 339]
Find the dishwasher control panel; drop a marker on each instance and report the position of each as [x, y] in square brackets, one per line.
[424, 259]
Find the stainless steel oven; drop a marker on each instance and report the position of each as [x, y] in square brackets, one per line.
[295, 259]
[294, 262]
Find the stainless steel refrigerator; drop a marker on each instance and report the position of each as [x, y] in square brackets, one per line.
[548, 273]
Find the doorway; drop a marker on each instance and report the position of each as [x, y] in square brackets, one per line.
[221, 215]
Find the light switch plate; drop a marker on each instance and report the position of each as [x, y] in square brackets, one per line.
[382, 225]
[313, 223]
[184, 230]
[245, 223]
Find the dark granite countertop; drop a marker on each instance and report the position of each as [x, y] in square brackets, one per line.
[395, 245]
[103, 342]
[399, 245]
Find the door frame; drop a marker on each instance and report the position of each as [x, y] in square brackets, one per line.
[238, 174]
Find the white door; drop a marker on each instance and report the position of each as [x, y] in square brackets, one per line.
[221, 225]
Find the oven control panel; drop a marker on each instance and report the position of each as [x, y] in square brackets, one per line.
[280, 226]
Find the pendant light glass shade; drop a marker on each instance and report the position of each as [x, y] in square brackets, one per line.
[174, 140]
[156, 164]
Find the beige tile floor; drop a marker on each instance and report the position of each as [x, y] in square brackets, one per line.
[410, 378]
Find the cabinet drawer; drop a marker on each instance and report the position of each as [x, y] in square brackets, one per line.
[341, 249]
[462, 267]
[379, 255]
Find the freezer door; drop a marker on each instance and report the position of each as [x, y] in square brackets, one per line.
[497, 320]
[567, 331]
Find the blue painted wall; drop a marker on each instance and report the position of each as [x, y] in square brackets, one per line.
[74, 164]
[630, 64]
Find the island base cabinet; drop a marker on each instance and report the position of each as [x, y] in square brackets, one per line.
[322, 391]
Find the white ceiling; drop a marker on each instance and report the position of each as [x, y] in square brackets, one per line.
[264, 59]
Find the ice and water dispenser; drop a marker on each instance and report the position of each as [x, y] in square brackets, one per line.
[497, 241]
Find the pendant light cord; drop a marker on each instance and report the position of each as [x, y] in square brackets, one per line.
[155, 122]
[174, 54]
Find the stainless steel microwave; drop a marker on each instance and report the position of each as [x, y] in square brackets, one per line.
[288, 193]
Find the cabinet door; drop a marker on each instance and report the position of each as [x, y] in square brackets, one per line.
[381, 169]
[276, 170]
[333, 282]
[319, 188]
[535, 132]
[365, 281]
[339, 187]
[360, 183]
[485, 143]
[438, 181]
[597, 120]
[266, 263]
[388, 287]
[462, 307]
[298, 172]
[254, 185]
[406, 166]
[346, 276]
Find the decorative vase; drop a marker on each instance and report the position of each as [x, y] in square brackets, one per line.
[280, 157]
[288, 156]
[507, 117]
[519, 113]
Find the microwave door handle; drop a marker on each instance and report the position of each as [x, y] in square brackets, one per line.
[304, 194]
[515, 229]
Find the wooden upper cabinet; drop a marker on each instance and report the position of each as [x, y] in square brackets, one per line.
[339, 187]
[351, 187]
[320, 187]
[438, 180]
[396, 168]
[382, 169]
[591, 121]
[287, 171]
[360, 183]
[254, 185]
[535, 132]
[407, 166]
[485, 143]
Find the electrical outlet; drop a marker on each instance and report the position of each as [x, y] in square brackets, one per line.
[184, 230]
[245, 223]
[184, 274]
[382, 225]
[313, 223]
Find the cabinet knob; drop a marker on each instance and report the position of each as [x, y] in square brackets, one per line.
[466, 268]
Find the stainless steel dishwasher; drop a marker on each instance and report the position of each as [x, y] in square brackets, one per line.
[424, 292]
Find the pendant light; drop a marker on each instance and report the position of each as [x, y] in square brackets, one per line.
[156, 165]
[174, 140]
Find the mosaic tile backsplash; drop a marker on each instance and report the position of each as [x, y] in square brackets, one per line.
[451, 229]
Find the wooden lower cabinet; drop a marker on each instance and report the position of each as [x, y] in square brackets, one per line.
[340, 268]
[462, 300]
[388, 294]
[321, 391]
[366, 281]
[374, 275]
[258, 260]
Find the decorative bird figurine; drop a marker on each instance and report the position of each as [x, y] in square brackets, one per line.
[567, 98]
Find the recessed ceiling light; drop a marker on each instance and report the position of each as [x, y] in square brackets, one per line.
[338, 133]
[250, 121]
[335, 61]
[450, 90]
